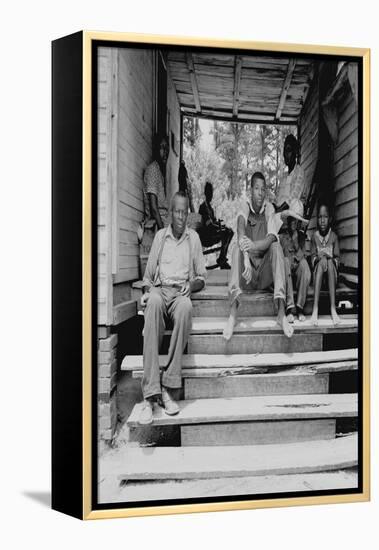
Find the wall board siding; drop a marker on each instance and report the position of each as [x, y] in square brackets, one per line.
[309, 121]
[105, 66]
[135, 133]
[346, 179]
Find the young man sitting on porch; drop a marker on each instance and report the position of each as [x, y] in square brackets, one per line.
[257, 259]
[174, 270]
[211, 231]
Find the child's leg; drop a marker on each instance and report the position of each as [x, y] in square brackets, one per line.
[229, 327]
[332, 280]
[318, 274]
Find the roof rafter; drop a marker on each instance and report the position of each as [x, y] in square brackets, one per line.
[237, 83]
[286, 85]
[195, 89]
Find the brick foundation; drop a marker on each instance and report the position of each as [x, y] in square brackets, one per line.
[107, 384]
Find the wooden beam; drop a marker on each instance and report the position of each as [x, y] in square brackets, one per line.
[195, 89]
[245, 117]
[237, 83]
[286, 85]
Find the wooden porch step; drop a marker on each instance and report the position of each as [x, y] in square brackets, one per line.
[245, 385]
[257, 433]
[232, 486]
[213, 301]
[205, 365]
[254, 343]
[268, 325]
[258, 408]
[236, 461]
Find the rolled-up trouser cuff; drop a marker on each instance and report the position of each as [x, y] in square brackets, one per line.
[171, 381]
[151, 392]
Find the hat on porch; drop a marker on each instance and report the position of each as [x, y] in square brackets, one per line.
[297, 210]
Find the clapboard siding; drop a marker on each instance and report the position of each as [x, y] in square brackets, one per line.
[135, 129]
[104, 165]
[309, 139]
[346, 178]
[309, 131]
[135, 134]
[174, 127]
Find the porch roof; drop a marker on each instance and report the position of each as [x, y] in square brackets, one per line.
[241, 88]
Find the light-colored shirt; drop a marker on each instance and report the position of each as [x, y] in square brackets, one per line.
[174, 261]
[154, 183]
[273, 220]
[291, 187]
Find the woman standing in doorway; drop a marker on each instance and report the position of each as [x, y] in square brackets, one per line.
[155, 192]
[292, 185]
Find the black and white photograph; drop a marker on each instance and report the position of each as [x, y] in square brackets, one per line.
[229, 262]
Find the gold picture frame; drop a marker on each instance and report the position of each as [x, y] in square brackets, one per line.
[83, 466]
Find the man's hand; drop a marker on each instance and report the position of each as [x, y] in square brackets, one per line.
[144, 299]
[185, 289]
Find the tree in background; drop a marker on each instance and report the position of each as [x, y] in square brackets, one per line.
[239, 149]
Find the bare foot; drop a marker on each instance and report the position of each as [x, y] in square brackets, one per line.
[301, 317]
[287, 328]
[314, 318]
[336, 320]
[228, 330]
[290, 318]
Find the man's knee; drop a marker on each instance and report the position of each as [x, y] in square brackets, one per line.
[276, 251]
[154, 302]
[183, 307]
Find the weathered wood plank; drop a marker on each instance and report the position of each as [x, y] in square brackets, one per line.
[350, 259]
[346, 178]
[234, 461]
[347, 210]
[346, 162]
[239, 361]
[347, 228]
[259, 343]
[257, 433]
[222, 487]
[268, 325]
[257, 408]
[344, 147]
[348, 193]
[286, 86]
[338, 366]
[127, 274]
[245, 385]
[124, 311]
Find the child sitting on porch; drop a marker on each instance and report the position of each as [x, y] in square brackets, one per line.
[325, 258]
[297, 268]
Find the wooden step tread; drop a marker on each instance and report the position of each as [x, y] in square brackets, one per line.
[257, 408]
[245, 361]
[237, 461]
[215, 325]
[221, 293]
[231, 486]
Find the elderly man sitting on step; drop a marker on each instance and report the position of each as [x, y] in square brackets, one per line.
[174, 270]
